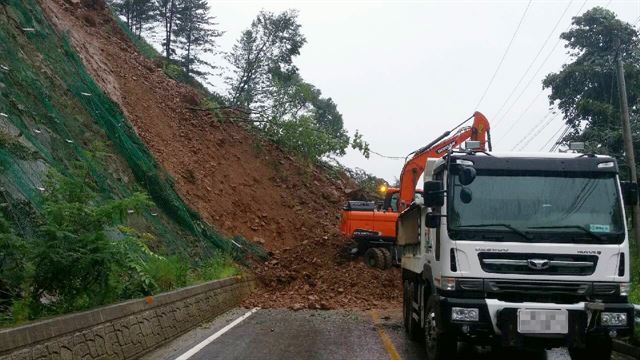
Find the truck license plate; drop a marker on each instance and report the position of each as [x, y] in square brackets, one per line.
[534, 321]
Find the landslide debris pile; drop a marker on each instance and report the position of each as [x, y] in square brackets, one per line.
[317, 275]
[235, 180]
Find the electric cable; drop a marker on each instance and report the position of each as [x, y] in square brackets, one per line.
[534, 59]
[495, 73]
[554, 136]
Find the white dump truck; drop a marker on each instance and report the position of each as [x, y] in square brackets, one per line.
[518, 250]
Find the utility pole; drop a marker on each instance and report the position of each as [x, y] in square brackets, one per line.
[628, 143]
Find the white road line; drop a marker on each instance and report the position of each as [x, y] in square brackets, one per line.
[219, 333]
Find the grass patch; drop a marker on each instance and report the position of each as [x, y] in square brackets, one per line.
[219, 266]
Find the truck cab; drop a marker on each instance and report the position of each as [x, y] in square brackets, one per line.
[517, 250]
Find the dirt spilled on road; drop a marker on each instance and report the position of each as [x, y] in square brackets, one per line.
[239, 183]
[316, 275]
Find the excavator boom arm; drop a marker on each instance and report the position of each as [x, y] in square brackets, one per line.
[414, 167]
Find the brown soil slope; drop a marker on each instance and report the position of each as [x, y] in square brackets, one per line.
[239, 183]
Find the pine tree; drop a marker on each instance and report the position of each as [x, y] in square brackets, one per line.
[137, 13]
[167, 10]
[195, 33]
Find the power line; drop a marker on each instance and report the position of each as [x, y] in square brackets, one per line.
[533, 77]
[557, 144]
[554, 136]
[506, 51]
[539, 68]
[536, 130]
[535, 58]
[531, 103]
[513, 123]
[387, 156]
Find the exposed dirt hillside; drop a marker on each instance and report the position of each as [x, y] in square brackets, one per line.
[239, 183]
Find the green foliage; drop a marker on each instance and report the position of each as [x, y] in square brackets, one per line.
[195, 33]
[303, 136]
[358, 143]
[634, 295]
[72, 255]
[167, 273]
[15, 268]
[219, 266]
[586, 89]
[138, 14]
[267, 47]
[81, 257]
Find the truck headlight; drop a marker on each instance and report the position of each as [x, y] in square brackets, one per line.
[448, 283]
[613, 319]
[624, 289]
[465, 314]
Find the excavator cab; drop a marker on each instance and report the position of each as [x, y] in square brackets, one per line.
[392, 196]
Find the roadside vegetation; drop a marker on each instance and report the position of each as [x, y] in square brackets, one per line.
[87, 216]
[84, 253]
[586, 89]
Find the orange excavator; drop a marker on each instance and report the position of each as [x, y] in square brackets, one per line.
[373, 229]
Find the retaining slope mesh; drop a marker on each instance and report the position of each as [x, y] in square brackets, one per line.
[53, 115]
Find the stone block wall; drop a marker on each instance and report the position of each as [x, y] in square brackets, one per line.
[125, 330]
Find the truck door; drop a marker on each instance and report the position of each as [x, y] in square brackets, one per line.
[432, 243]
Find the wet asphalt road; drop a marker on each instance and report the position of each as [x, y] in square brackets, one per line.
[286, 334]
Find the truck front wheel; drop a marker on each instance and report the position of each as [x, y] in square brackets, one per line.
[440, 344]
[597, 348]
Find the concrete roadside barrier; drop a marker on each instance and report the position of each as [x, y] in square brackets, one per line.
[125, 330]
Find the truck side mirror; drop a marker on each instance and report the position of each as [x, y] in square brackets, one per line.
[467, 175]
[629, 192]
[432, 220]
[433, 193]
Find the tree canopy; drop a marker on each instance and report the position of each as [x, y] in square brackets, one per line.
[586, 90]
[266, 83]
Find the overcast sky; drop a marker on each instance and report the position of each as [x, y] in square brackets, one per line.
[403, 72]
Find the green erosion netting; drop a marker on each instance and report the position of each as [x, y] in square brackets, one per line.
[53, 115]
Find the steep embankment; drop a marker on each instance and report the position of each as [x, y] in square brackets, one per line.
[238, 182]
[54, 118]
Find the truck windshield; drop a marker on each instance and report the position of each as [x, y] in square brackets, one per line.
[520, 206]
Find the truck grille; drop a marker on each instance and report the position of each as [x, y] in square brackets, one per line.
[538, 264]
[537, 287]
